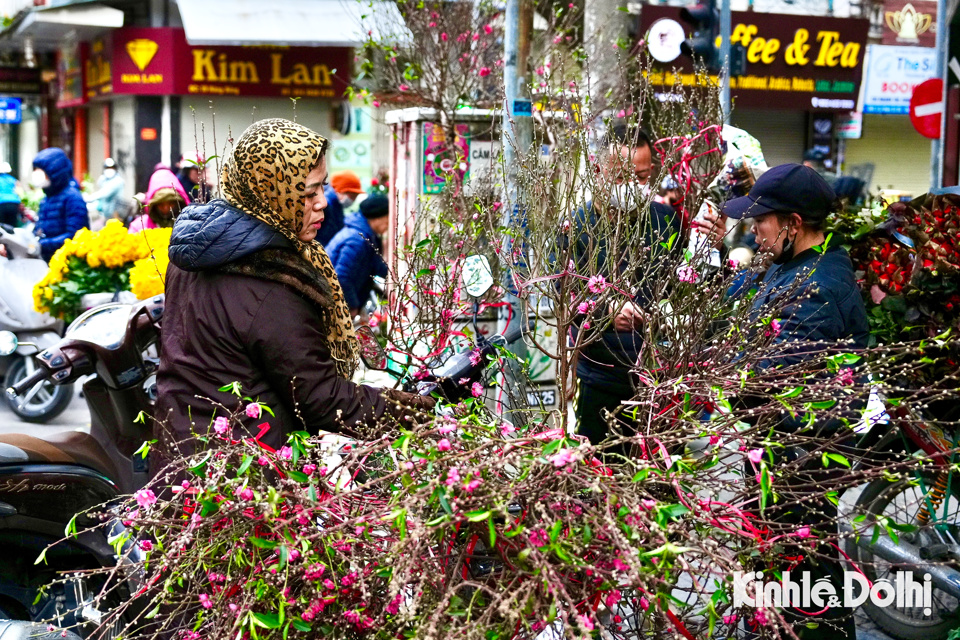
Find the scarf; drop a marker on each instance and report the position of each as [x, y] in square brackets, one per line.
[265, 177]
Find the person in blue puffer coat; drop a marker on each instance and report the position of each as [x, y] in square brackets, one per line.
[356, 251]
[62, 212]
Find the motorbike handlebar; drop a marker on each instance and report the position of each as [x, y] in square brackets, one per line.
[29, 381]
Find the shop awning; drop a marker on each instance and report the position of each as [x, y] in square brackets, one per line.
[51, 27]
[312, 23]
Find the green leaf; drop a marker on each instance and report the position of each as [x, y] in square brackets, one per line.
[41, 558]
[284, 554]
[266, 620]
[201, 466]
[423, 272]
[71, 528]
[247, 460]
[477, 516]
[264, 543]
[821, 404]
[444, 503]
[301, 625]
[233, 387]
[790, 393]
[145, 447]
[299, 476]
[836, 457]
[552, 447]
[492, 531]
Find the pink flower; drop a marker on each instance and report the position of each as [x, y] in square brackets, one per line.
[644, 603]
[472, 485]
[447, 427]
[394, 606]
[729, 619]
[376, 103]
[845, 377]
[328, 583]
[146, 545]
[803, 532]
[506, 428]
[586, 622]
[714, 439]
[443, 445]
[573, 84]
[453, 477]
[775, 327]
[185, 484]
[309, 469]
[476, 389]
[586, 326]
[539, 538]
[686, 273]
[596, 284]
[245, 493]
[443, 36]
[648, 504]
[620, 565]
[403, 88]
[145, 498]
[253, 410]
[558, 39]
[205, 601]
[540, 71]
[285, 453]
[263, 461]
[755, 455]
[221, 425]
[352, 616]
[562, 458]
[487, 29]
[484, 72]
[613, 598]
[475, 357]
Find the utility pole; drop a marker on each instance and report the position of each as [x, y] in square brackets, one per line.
[725, 62]
[936, 146]
[516, 137]
[604, 23]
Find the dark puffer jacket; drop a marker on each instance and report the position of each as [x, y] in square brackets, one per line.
[62, 212]
[356, 255]
[221, 326]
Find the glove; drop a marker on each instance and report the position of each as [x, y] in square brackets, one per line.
[408, 408]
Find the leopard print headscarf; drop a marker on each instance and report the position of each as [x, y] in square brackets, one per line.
[265, 177]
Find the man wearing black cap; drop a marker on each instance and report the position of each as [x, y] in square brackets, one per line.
[356, 251]
[812, 284]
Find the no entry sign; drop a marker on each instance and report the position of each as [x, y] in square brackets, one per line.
[926, 108]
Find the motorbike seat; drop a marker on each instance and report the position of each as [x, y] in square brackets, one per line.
[64, 447]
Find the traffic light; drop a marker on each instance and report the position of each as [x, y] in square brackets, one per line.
[705, 20]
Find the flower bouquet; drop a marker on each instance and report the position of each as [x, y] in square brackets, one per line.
[109, 260]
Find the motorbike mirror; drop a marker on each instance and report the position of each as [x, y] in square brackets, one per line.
[372, 353]
[8, 343]
[477, 275]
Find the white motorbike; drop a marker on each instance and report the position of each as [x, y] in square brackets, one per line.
[34, 331]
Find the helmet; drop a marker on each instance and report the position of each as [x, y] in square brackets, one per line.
[109, 164]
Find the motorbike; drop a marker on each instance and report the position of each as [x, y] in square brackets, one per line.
[34, 331]
[46, 479]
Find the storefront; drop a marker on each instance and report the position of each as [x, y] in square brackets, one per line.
[800, 71]
[148, 97]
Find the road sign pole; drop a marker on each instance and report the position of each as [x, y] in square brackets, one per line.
[936, 147]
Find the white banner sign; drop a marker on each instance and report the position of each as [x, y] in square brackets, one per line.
[892, 73]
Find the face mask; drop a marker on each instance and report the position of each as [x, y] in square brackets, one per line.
[346, 201]
[786, 252]
[109, 173]
[39, 179]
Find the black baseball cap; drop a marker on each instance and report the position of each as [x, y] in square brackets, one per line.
[786, 188]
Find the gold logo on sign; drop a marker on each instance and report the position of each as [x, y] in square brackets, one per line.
[141, 51]
[908, 23]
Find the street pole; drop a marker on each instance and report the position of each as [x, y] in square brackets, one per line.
[936, 146]
[516, 135]
[725, 29]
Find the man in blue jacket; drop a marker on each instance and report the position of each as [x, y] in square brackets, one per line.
[356, 251]
[62, 212]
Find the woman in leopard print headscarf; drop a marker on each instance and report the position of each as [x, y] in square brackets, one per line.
[253, 298]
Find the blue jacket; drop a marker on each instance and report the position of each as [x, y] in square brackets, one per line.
[206, 236]
[826, 307]
[356, 255]
[62, 212]
[332, 217]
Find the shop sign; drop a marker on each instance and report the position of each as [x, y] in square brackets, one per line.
[20, 80]
[793, 61]
[892, 74]
[158, 61]
[443, 160]
[71, 62]
[910, 22]
[98, 75]
[850, 126]
[11, 110]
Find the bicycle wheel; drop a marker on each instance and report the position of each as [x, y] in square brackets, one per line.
[901, 502]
